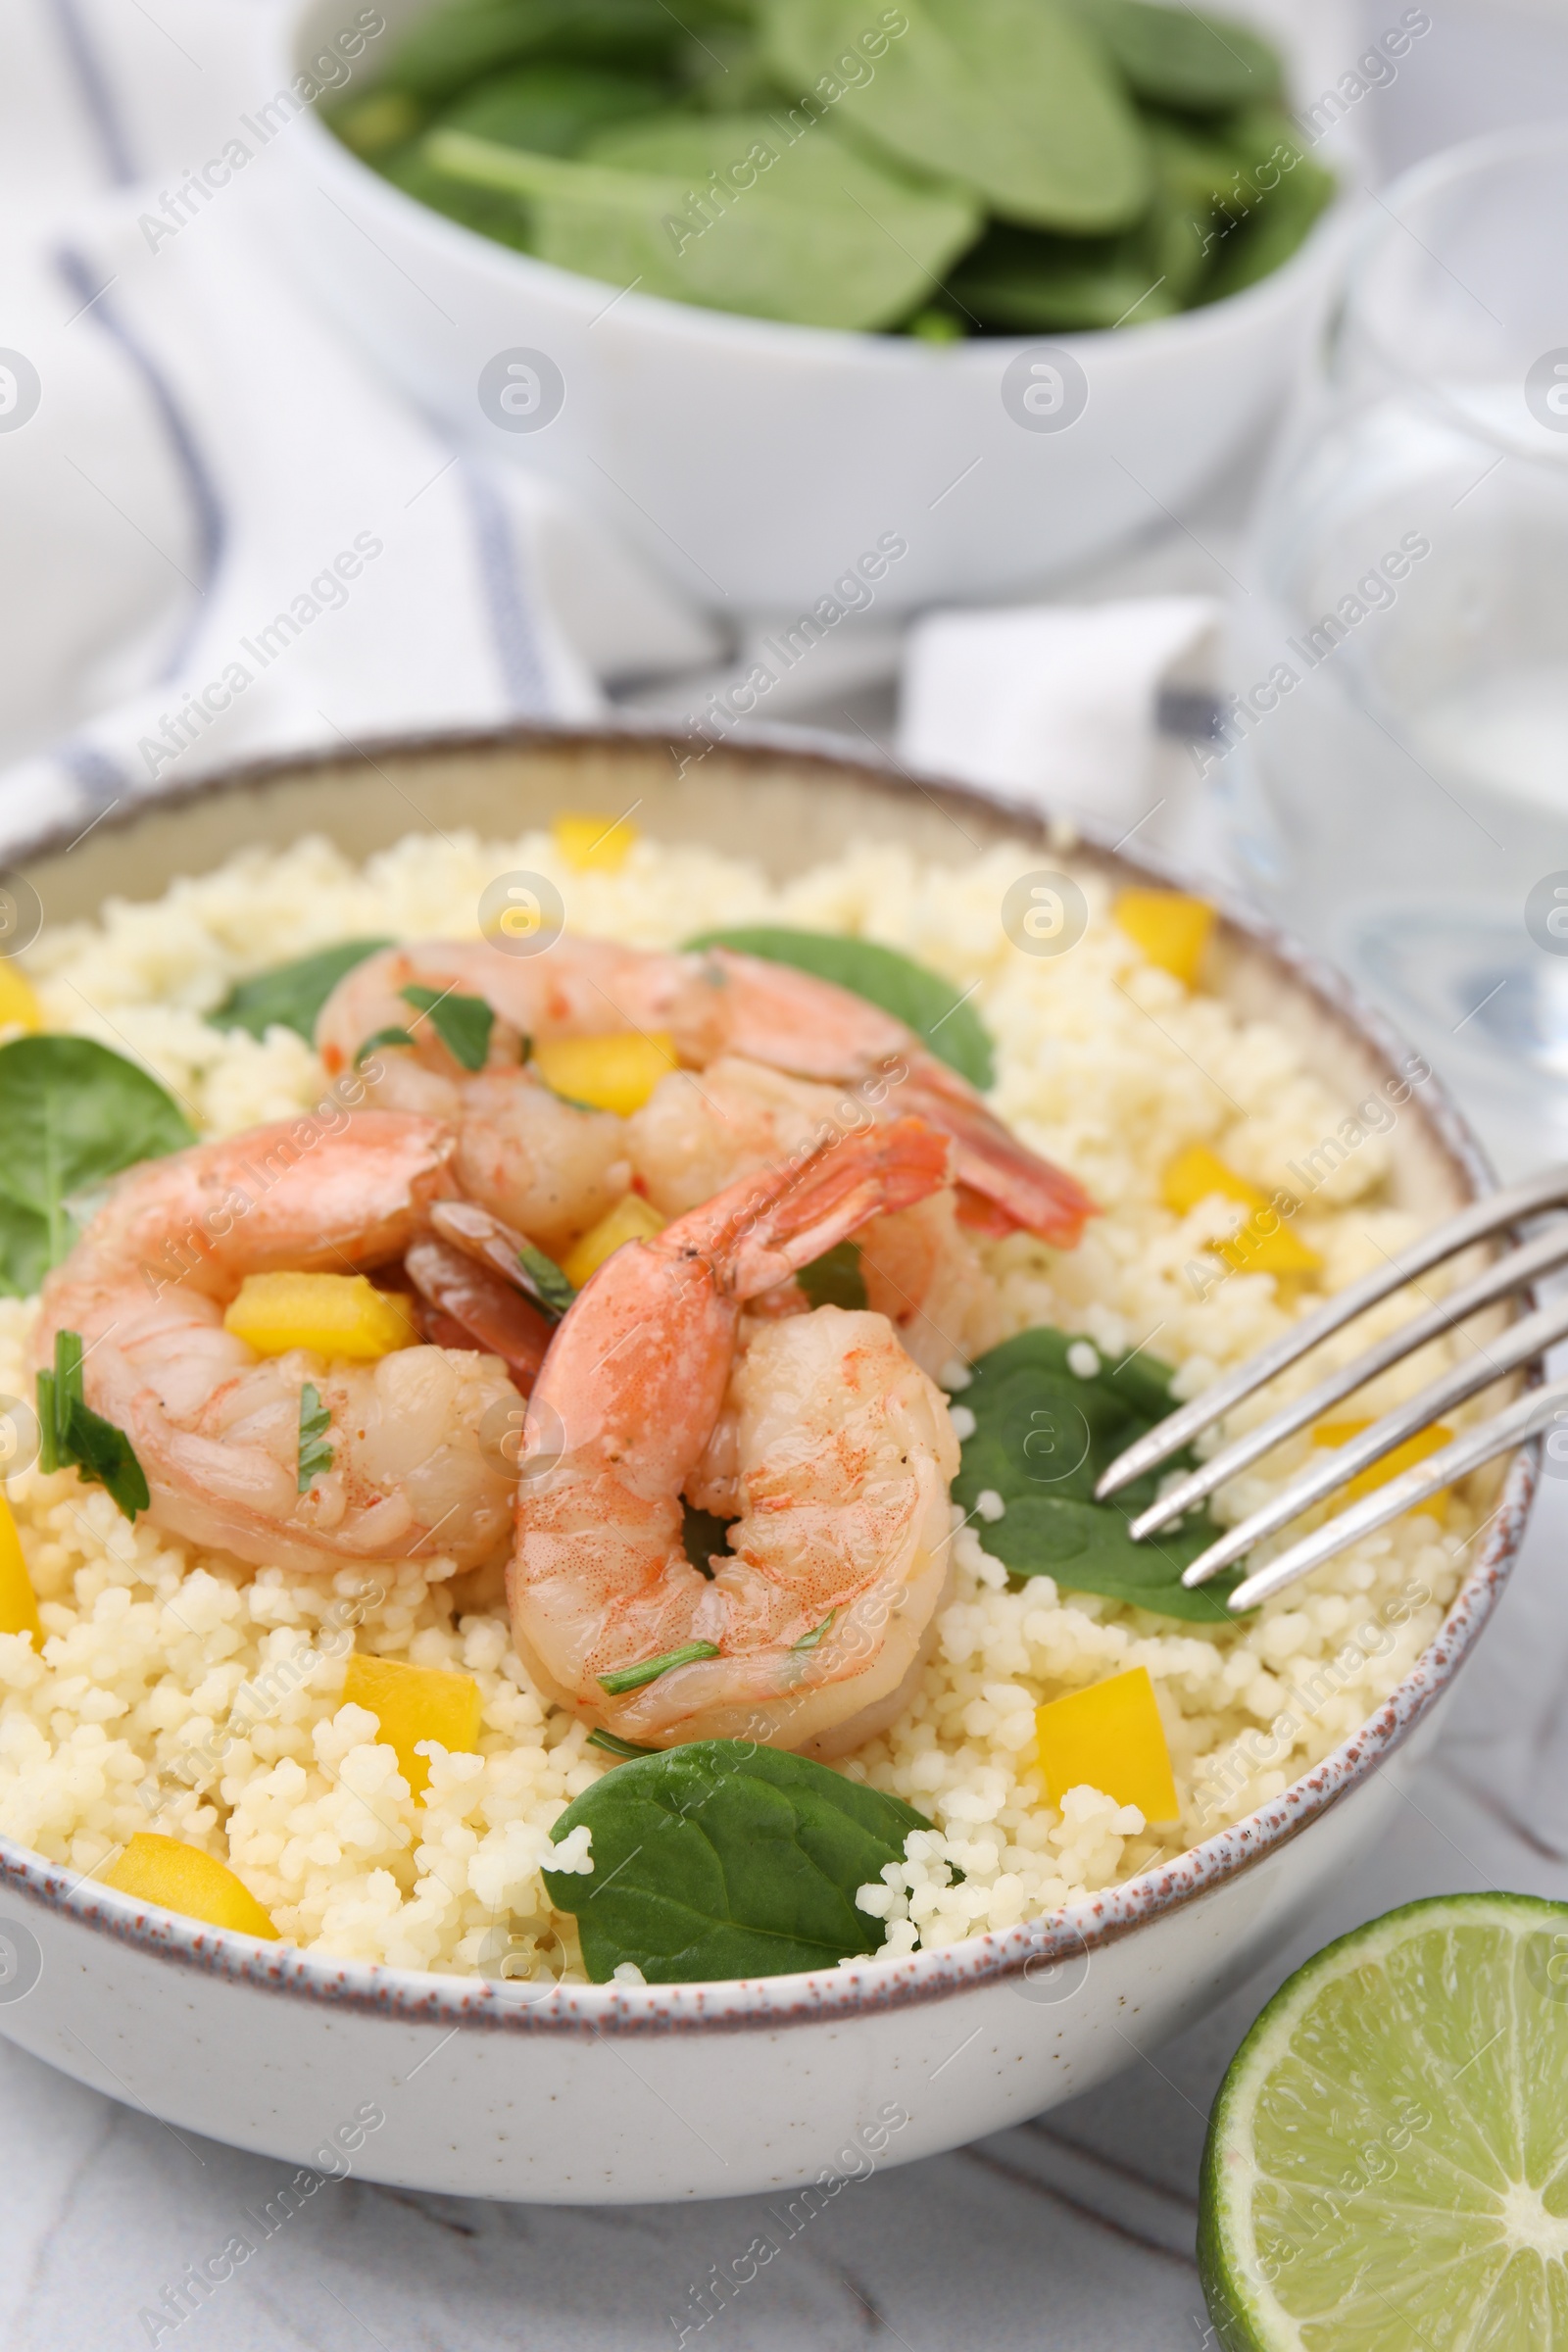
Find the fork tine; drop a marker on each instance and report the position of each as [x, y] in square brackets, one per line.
[1516, 1345]
[1522, 1419]
[1511, 1272]
[1474, 1224]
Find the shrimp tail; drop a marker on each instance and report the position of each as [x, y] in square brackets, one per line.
[781, 1227]
[1024, 1191]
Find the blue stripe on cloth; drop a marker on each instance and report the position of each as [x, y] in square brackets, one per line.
[512, 627]
[200, 486]
[98, 98]
[99, 779]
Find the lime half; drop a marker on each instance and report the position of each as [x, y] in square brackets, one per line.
[1386, 2165]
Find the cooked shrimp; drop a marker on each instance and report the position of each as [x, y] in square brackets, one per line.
[713, 1002]
[214, 1426]
[696, 1134]
[836, 1449]
[547, 1166]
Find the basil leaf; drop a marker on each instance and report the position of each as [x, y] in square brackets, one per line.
[1040, 1440]
[835, 1278]
[461, 1024]
[291, 995]
[723, 1859]
[818, 236]
[1010, 98]
[921, 999]
[72, 1113]
[1179, 57]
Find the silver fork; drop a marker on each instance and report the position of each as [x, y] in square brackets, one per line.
[1518, 1346]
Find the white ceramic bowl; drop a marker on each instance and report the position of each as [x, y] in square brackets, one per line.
[753, 463]
[612, 2093]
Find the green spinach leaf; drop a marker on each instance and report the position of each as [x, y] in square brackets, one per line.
[291, 995]
[1178, 58]
[1022, 281]
[440, 53]
[918, 998]
[1042, 1438]
[72, 1113]
[812, 234]
[1010, 98]
[552, 109]
[722, 1859]
[1278, 194]
[1261, 245]
[835, 1277]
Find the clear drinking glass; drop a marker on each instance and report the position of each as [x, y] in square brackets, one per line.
[1402, 737]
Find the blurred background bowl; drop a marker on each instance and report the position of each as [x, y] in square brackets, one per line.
[752, 462]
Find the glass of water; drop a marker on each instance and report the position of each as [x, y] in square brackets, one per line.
[1400, 751]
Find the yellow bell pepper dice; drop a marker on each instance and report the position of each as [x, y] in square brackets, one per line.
[1111, 1738]
[607, 1073]
[1415, 1449]
[1198, 1174]
[1172, 929]
[1265, 1244]
[598, 844]
[630, 1220]
[412, 1703]
[19, 1603]
[1280, 1251]
[160, 1870]
[19, 1006]
[335, 1314]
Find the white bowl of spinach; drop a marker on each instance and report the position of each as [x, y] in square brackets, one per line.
[984, 167]
[782, 256]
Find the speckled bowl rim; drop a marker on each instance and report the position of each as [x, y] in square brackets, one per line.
[413, 1996]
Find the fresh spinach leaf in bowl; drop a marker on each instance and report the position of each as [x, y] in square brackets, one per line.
[910, 992]
[290, 995]
[827, 237]
[72, 1114]
[1044, 1433]
[1010, 98]
[939, 167]
[725, 1859]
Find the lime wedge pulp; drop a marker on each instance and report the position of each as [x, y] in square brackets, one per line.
[1386, 2165]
